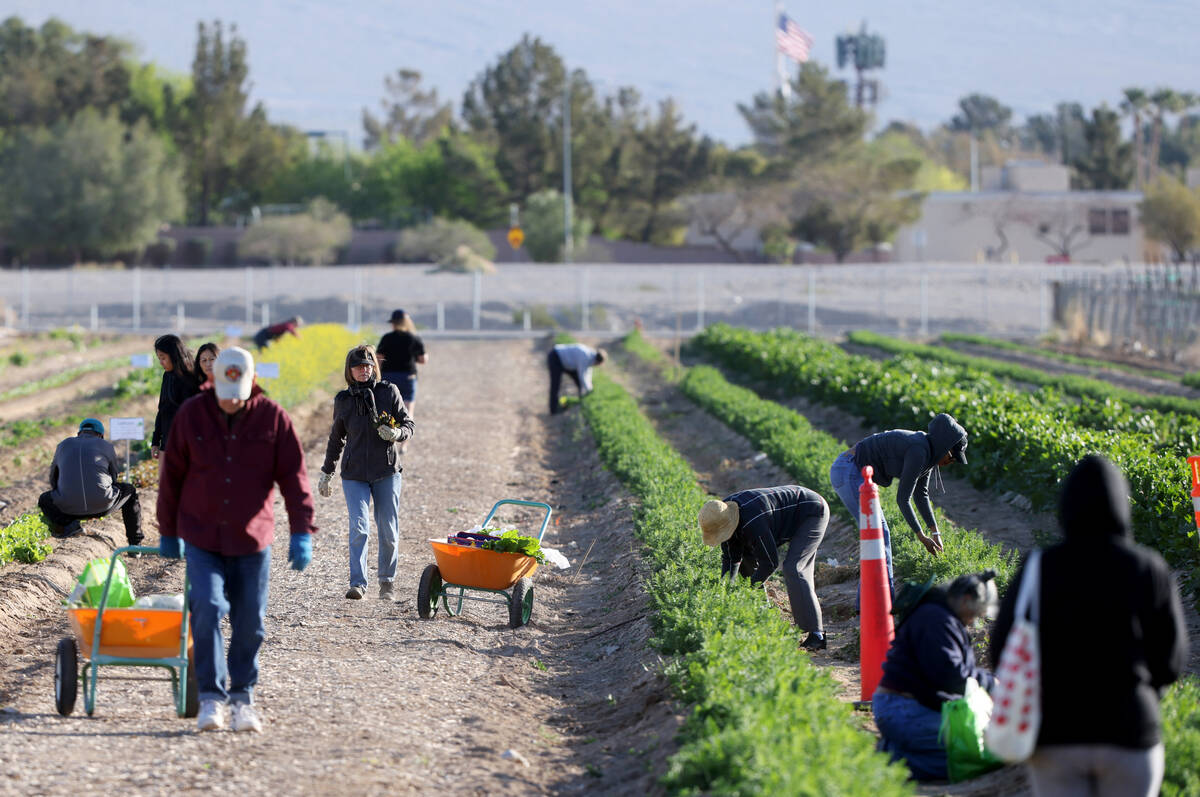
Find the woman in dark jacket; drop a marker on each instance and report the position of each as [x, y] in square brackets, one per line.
[929, 663]
[370, 465]
[1112, 637]
[399, 352]
[178, 385]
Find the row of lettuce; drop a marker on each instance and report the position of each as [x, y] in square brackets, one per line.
[305, 365]
[1021, 441]
[805, 453]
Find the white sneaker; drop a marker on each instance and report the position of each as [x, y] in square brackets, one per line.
[245, 718]
[211, 716]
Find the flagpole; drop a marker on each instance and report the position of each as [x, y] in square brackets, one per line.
[782, 85]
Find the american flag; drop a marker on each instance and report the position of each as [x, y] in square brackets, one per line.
[792, 40]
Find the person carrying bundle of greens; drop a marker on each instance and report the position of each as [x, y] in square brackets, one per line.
[910, 457]
[751, 526]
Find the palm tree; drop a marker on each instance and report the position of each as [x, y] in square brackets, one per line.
[1133, 105]
[1165, 101]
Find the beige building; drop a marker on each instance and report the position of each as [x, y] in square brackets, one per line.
[1025, 212]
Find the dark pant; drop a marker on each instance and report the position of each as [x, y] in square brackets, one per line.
[798, 568]
[235, 586]
[405, 381]
[262, 338]
[556, 372]
[127, 502]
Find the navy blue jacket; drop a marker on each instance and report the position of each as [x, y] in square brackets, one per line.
[932, 656]
[767, 518]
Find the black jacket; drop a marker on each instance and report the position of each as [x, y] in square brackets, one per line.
[368, 457]
[175, 390]
[911, 457]
[1111, 629]
[398, 352]
[767, 519]
[932, 656]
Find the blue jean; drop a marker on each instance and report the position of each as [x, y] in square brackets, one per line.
[909, 732]
[385, 493]
[234, 586]
[406, 382]
[846, 478]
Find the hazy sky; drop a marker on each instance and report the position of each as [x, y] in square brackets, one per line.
[317, 63]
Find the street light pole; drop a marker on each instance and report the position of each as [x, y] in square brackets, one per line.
[568, 243]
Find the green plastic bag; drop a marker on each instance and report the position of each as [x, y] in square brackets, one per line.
[963, 722]
[90, 585]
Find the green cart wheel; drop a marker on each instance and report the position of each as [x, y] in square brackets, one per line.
[428, 592]
[520, 606]
[66, 676]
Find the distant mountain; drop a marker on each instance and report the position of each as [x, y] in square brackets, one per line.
[317, 63]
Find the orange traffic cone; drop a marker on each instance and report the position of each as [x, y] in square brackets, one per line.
[1194, 462]
[875, 625]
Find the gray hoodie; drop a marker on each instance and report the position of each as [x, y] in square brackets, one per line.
[82, 475]
[911, 457]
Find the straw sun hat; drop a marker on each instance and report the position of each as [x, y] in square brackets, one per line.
[718, 520]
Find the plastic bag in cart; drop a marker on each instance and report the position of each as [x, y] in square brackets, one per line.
[89, 587]
[160, 601]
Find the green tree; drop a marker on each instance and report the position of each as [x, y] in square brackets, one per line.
[88, 185]
[512, 106]
[1171, 215]
[543, 225]
[52, 73]
[1106, 162]
[669, 160]
[1162, 102]
[1134, 105]
[408, 111]
[979, 113]
[1059, 134]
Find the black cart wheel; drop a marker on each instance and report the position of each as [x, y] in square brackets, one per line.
[429, 591]
[191, 700]
[521, 606]
[66, 676]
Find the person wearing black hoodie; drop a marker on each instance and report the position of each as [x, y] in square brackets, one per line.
[1112, 638]
[178, 385]
[910, 457]
[370, 465]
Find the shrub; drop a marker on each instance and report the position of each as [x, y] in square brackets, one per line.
[159, 253]
[543, 225]
[438, 241]
[21, 540]
[310, 238]
[195, 251]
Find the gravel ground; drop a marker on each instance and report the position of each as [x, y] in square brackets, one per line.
[363, 696]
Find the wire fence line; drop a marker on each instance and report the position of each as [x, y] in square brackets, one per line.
[904, 299]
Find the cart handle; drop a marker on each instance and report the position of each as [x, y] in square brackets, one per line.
[152, 549]
[545, 520]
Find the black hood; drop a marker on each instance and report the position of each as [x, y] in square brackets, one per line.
[944, 434]
[1094, 503]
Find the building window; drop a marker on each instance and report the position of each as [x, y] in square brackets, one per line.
[1120, 222]
[1097, 221]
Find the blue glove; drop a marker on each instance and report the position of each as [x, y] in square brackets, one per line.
[170, 547]
[300, 551]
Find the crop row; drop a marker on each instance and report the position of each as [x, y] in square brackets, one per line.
[763, 719]
[804, 452]
[1016, 442]
[1102, 405]
[1052, 354]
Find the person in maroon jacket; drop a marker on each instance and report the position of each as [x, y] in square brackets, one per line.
[230, 445]
[267, 334]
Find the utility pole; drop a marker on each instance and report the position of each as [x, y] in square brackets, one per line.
[568, 243]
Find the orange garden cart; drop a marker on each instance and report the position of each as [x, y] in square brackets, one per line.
[133, 637]
[463, 567]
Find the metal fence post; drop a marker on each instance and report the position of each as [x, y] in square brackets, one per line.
[358, 295]
[249, 297]
[25, 297]
[441, 317]
[179, 317]
[476, 298]
[95, 317]
[924, 304]
[700, 301]
[583, 299]
[525, 321]
[137, 299]
[812, 301]
[266, 314]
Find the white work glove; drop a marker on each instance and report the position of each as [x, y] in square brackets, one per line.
[390, 433]
[323, 484]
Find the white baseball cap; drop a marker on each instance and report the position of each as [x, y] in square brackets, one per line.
[233, 374]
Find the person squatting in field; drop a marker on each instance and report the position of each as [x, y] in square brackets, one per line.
[399, 352]
[83, 484]
[1112, 637]
[178, 385]
[911, 457]
[275, 331]
[370, 466]
[576, 360]
[751, 525]
[929, 662]
[229, 447]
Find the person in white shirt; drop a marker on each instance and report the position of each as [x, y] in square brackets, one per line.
[576, 360]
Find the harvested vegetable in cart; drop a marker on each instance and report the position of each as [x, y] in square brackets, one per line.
[512, 541]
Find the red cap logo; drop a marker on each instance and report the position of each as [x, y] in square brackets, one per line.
[233, 373]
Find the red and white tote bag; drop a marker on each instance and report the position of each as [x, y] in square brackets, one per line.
[1017, 695]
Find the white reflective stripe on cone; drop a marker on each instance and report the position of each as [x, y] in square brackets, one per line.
[1196, 502]
[870, 549]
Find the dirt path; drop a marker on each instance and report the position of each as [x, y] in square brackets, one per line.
[364, 697]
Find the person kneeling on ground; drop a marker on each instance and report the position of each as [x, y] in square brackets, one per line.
[83, 484]
[929, 663]
[229, 447]
[751, 525]
[576, 360]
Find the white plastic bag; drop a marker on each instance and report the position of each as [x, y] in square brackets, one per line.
[557, 559]
[160, 601]
[1017, 696]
